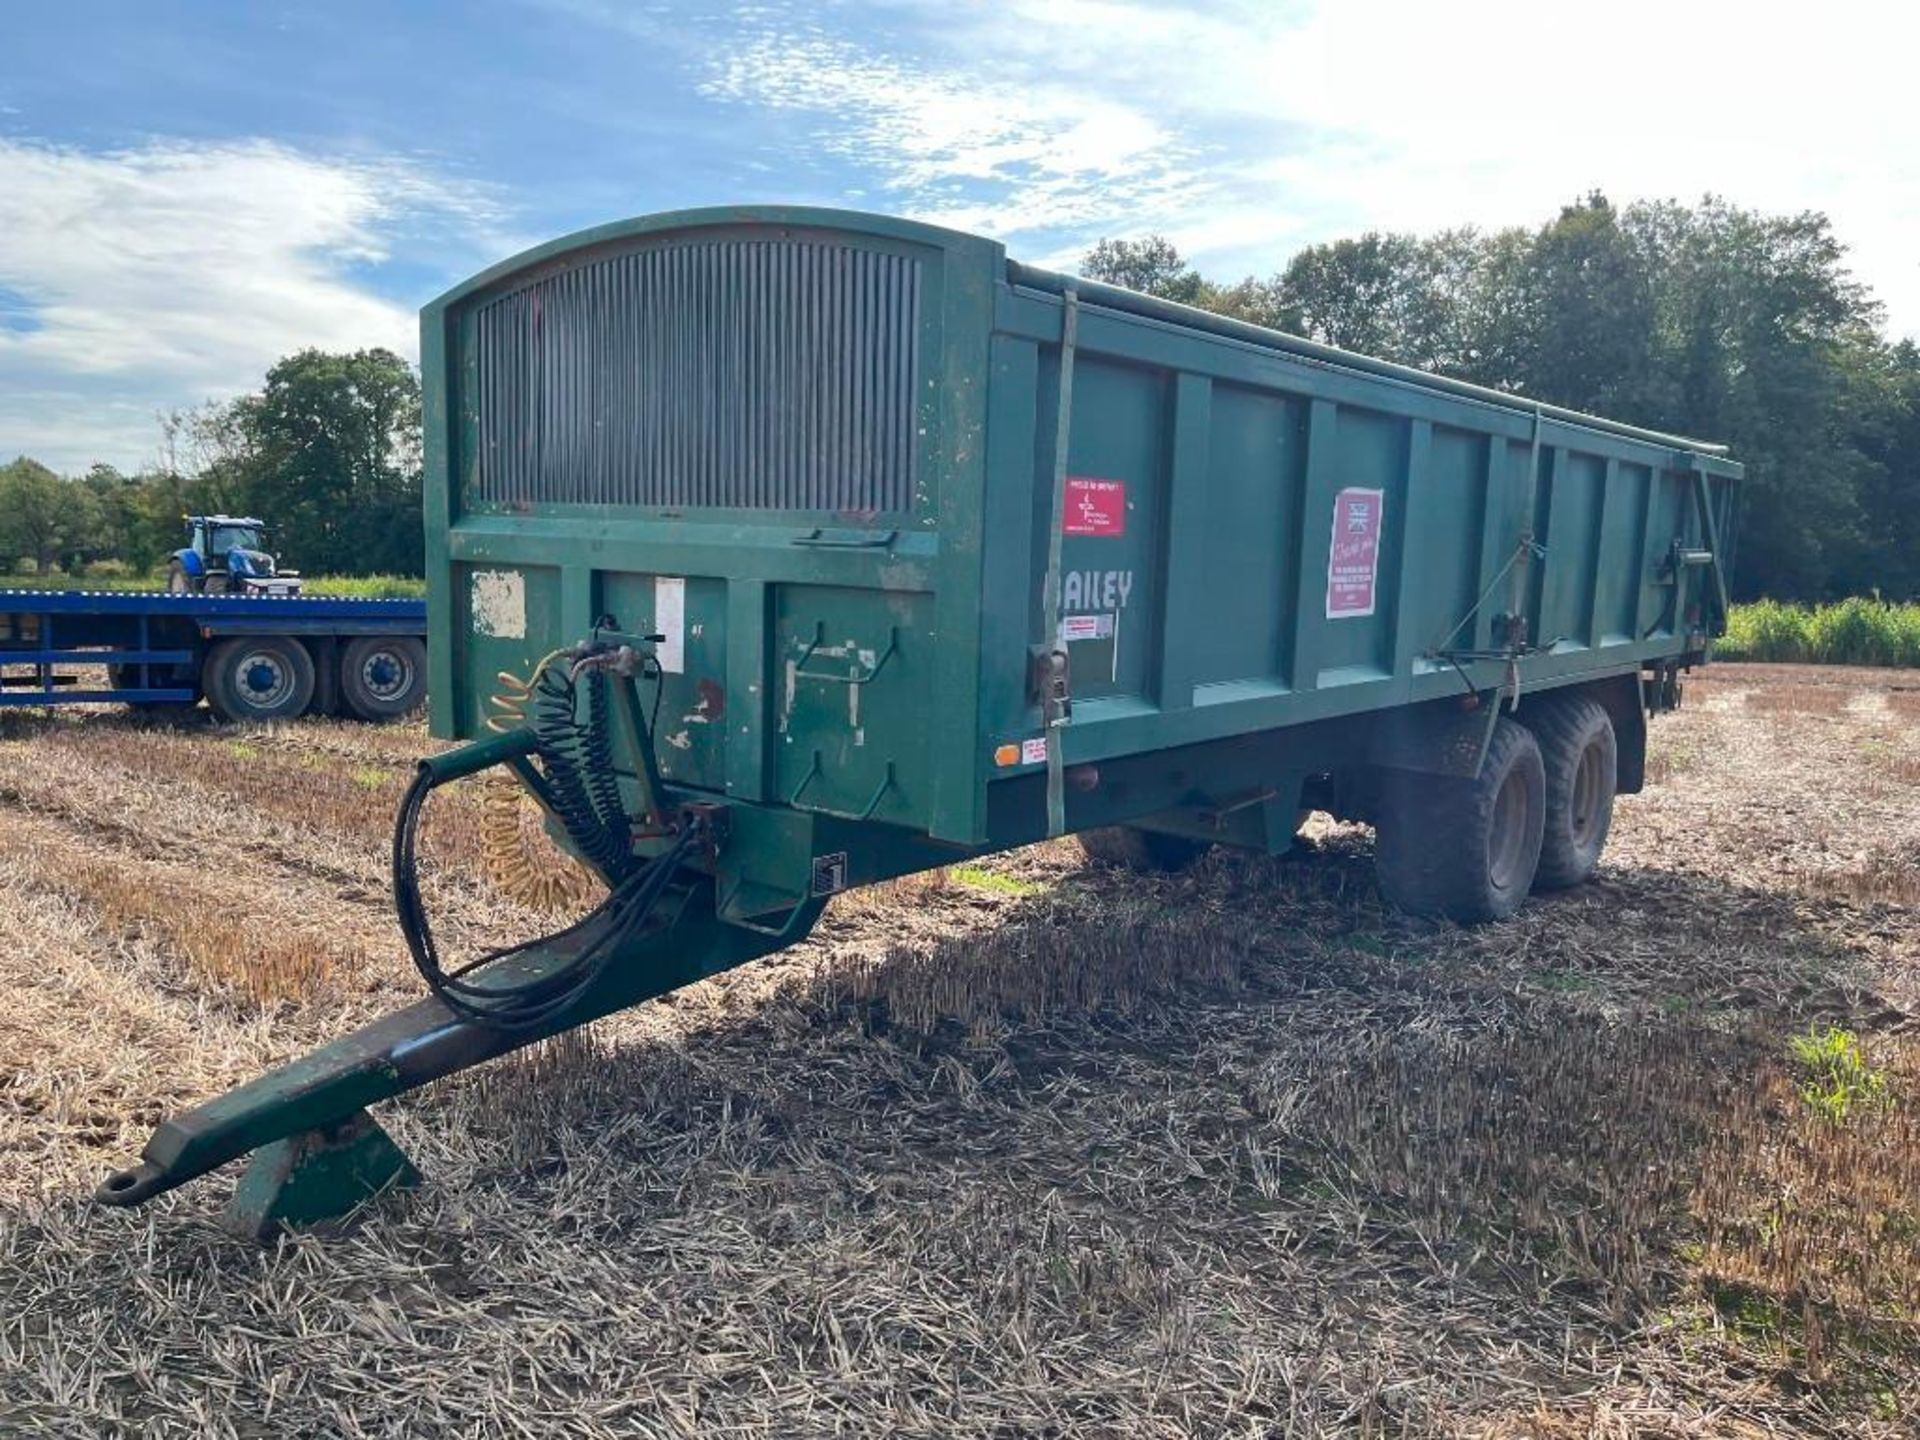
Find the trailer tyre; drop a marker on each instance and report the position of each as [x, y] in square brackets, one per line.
[1582, 761]
[1147, 851]
[1466, 849]
[259, 677]
[383, 677]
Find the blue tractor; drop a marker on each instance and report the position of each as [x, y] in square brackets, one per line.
[223, 556]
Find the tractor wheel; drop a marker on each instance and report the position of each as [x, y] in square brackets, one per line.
[259, 677]
[178, 581]
[383, 677]
[1582, 760]
[1466, 849]
[1131, 848]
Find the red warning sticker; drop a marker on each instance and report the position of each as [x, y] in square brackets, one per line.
[1095, 507]
[1353, 560]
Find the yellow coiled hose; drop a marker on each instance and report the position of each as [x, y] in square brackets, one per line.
[521, 862]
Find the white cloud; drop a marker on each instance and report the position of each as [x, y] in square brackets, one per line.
[1434, 116]
[160, 276]
[1245, 128]
[968, 151]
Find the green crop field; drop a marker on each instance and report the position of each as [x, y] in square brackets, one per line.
[368, 587]
[363, 587]
[57, 580]
[1852, 632]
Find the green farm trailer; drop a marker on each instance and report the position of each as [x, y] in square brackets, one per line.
[780, 551]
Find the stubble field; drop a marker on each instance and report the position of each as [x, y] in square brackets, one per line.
[1023, 1148]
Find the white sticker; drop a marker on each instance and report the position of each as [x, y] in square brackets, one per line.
[498, 600]
[1034, 751]
[670, 620]
[1085, 627]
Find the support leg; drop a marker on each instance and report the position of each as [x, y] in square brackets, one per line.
[316, 1177]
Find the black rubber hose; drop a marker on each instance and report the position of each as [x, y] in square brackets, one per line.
[531, 1003]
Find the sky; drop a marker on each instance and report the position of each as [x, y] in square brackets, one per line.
[189, 191]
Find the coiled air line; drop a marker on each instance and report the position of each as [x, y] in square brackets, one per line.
[581, 789]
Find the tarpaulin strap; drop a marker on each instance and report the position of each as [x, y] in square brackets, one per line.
[1056, 717]
[1528, 548]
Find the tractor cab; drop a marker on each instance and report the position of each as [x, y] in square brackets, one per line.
[223, 556]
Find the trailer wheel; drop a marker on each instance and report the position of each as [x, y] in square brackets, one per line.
[259, 677]
[1147, 851]
[1582, 760]
[1466, 849]
[383, 677]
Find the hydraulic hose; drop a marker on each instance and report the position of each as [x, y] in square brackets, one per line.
[601, 933]
[580, 786]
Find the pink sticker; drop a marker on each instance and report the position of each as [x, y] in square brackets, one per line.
[1353, 559]
[1095, 507]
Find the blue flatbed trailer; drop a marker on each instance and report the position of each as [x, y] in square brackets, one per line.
[251, 656]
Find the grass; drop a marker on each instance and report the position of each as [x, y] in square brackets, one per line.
[60, 580]
[1838, 1077]
[993, 881]
[361, 587]
[367, 587]
[1856, 631]
[1011, 1148]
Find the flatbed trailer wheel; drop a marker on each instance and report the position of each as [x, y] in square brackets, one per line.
[1582, 760]
[259, 677]
[383, 677]
[1147, 851]
[1466, 849]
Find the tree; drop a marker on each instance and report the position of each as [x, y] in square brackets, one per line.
[332, 459]
[1258, 302]
[115, 521]
[1368, 295]
[37, 514]
[1152, 266]
[1586, 313]
[1760, 337]
[1886, 554]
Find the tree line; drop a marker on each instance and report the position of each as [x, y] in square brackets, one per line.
[1708, 320]
[327, 452]
[1705, 320]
